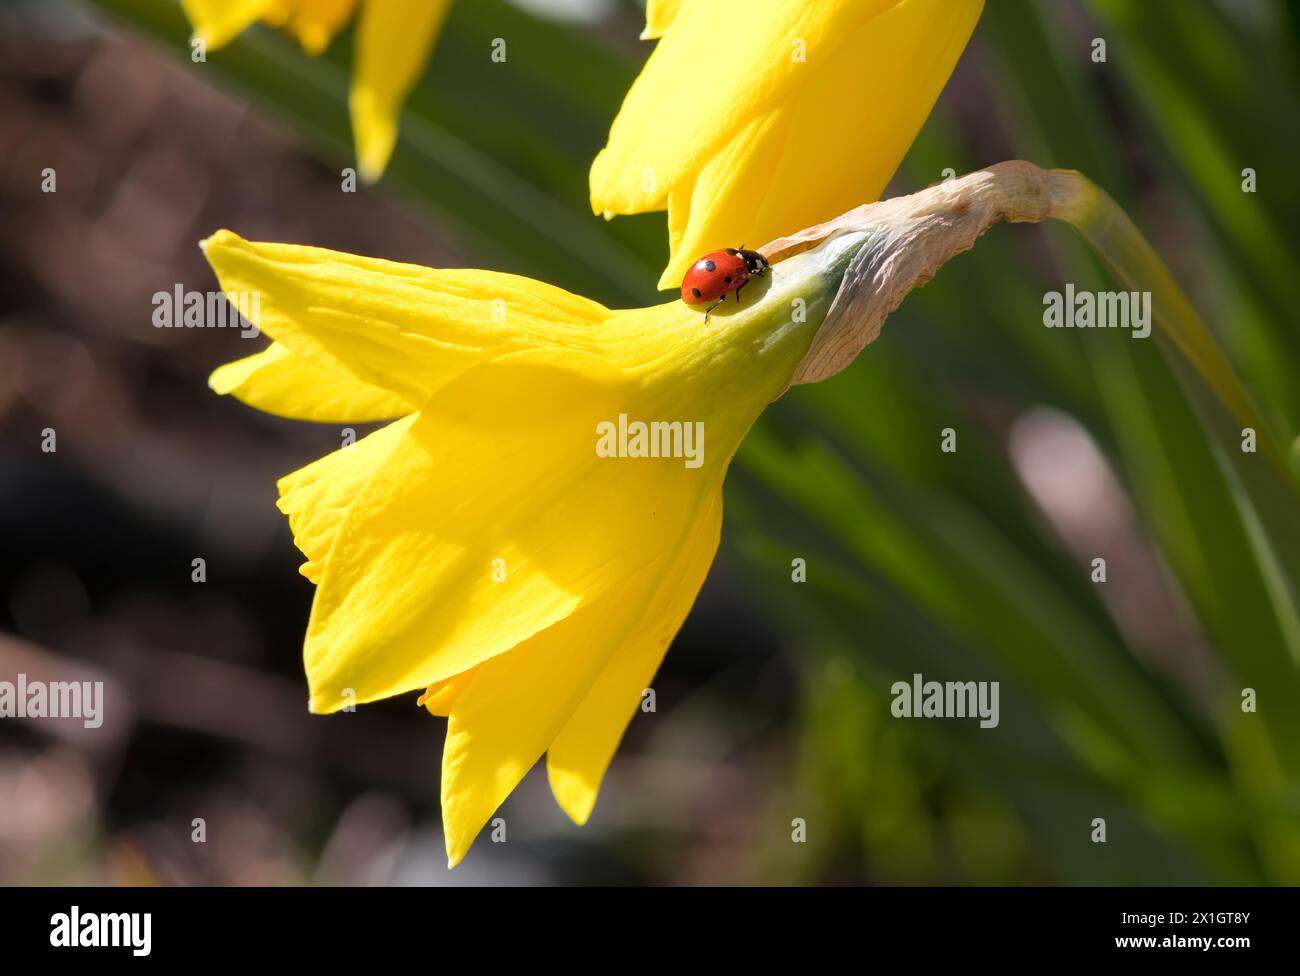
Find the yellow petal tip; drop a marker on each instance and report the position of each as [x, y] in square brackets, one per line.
[574, 795]
[578, 817]
[317, 706]
[217, 239]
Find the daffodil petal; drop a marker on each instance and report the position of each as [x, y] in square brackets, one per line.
[676, 115]
[217, 22]
[315, 22]
[521, 701]
[518, 702]
[492, 520]
[576, 761]
[316, 498]
[439, 697]
[920, 40]
[695, 217]
[393, 41]
[277, 382]
[659, 16]
[398, 327]
[774, 120]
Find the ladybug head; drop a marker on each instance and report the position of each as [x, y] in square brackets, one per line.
[754, 261]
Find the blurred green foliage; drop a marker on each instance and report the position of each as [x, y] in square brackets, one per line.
[944, 564]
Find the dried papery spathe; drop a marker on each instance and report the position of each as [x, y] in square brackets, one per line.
[905, 240]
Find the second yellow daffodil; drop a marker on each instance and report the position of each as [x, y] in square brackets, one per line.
[393, 42]
[750, 119]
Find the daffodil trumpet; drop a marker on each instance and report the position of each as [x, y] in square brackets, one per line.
[502, 546]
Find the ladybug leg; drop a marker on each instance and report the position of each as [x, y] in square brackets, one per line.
[712, 307]
[738, 292]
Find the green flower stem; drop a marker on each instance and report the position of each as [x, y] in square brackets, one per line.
[1131, 259]
[907, 240]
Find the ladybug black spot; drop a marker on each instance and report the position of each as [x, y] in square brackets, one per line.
[695, 292]
[727, 279]
[710, 266]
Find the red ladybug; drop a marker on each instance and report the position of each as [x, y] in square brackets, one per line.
[712, 276]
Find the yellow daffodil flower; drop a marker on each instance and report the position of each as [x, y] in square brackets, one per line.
[392, 45]
[524, 539]
[751, 119]
[505, 545]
